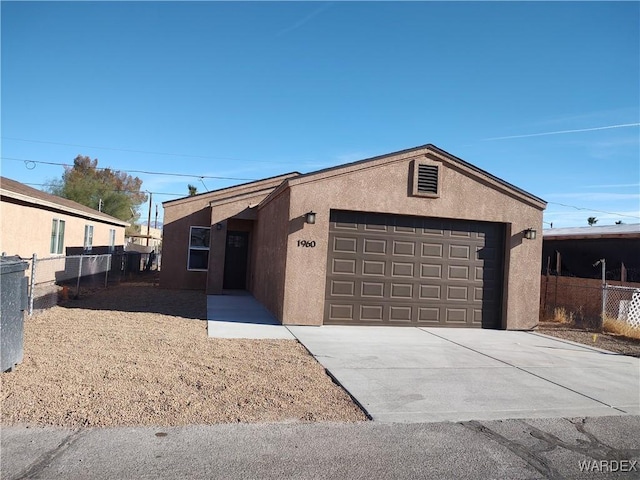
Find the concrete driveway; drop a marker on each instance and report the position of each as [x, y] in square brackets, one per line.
[437, 374]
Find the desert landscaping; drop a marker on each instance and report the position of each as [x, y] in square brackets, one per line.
[135, 354]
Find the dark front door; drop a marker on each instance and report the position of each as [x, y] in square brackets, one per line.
[235, 261]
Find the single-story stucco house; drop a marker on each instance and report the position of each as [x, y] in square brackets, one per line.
[416, 237]
[36, 222]
[575, 251]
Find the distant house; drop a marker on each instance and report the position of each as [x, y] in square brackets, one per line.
[417, 238]
[574, 251]
[148, 237]
[32, 221]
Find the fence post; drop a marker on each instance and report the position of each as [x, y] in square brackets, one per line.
[34, 260]
[106, 274]
[79, 275]
[603, 262]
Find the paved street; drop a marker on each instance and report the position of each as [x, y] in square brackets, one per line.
[510, 449]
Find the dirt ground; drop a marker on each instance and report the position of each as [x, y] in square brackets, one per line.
[135, 354]
[605, 341]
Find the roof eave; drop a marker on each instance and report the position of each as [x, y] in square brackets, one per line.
[62, 208]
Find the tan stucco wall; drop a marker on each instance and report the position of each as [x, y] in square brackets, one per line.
[232, 214]
[175, 244]
[180, 214]
[385, 188]
[25, 230]
[271, 234]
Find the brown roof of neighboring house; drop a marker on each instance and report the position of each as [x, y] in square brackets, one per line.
[628, 231]
[20, 191]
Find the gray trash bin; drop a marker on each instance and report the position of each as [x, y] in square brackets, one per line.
[13, 288]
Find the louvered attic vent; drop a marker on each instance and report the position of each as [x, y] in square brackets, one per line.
[428, 179]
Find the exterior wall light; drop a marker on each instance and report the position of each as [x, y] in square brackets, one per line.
[310, 217]
[530, 234]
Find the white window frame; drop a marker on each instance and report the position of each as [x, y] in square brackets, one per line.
[112, 240]
[191, 248]
[88, 237]
[57, 236]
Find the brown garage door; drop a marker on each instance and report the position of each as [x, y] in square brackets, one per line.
[400, 270]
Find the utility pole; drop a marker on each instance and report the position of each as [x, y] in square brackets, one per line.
[155, 223]
[149, 219]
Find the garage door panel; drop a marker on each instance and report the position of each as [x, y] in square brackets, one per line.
[430, 292]
[374, 246]
[457, 294]
[400, 314]
[428, 315]
[345, 244]
[458, 272]
[459, 252]
[456, 315]
[343, 266]
[340, 312]
[372, 313]
[429, 270]
[402, 269]
[372, 289]
[402, 248]
[386, 269]
[373, 267]
[343, 288]
[432, 250]
[401, 291]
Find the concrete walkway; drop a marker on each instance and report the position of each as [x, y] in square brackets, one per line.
[437, 374]
[405, 374]
[236, 314]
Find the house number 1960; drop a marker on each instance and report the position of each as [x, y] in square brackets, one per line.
[307, 243]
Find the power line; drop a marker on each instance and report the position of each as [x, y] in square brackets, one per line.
[118, 191]
[594, 210]
[27, 161]
[126, 150]
[201, 177]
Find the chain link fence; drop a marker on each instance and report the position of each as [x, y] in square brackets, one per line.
[622, 303]
[69, 275]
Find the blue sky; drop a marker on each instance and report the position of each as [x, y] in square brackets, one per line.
[543, 95]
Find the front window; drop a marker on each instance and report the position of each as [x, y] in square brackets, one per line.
[57, 236]
[198, 248]
[88, 238]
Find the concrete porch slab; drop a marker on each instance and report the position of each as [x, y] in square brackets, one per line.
[237, 314]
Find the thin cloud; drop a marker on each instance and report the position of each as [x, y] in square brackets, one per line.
[615, 185]
[561, 132]
[304, 20]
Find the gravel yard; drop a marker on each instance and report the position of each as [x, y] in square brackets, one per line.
[135, 354]
[605, 341]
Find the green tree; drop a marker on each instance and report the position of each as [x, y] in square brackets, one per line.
[193, 190]
[592, 221]
[112, 191]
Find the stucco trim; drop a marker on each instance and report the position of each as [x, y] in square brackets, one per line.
[234, 190]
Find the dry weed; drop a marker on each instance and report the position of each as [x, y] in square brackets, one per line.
[620, 327]
[561, 315]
